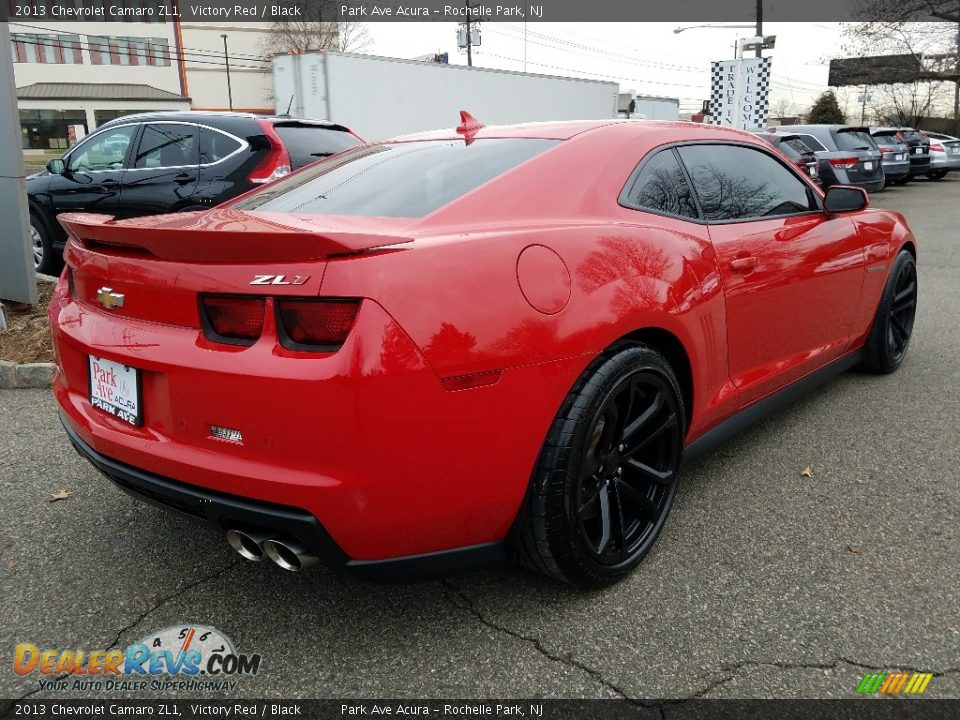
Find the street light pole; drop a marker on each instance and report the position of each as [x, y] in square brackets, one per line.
[760, 27]
[469, 39]
[226, 59]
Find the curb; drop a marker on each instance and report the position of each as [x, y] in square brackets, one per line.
[27, 375]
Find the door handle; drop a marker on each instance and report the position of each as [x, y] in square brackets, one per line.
[184, 178]
[109, 182]
[743, 264]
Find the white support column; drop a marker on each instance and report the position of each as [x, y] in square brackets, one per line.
[17, 280]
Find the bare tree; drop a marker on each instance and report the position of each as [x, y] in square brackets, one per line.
[904, 104]
[929, 30]
[320, 27]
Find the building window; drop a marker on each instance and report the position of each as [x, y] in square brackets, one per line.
[129, 51]
[50, 129]
[48, 49]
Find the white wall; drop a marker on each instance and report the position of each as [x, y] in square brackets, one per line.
[250, 74]
[380, 97]
[165, 78]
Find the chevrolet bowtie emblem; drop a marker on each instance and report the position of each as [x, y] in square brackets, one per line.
[109, 299]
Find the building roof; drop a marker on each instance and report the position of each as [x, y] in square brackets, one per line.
[94, 91]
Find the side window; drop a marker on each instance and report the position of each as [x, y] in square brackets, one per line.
[215, 146]
[662, 187]
[734, 182]
[163, 146]
[105, 151]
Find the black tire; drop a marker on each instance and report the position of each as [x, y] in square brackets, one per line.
[589, 483]
[936, 175]
[889, 337]
[45, 259]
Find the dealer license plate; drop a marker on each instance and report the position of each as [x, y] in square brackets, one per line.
[115, 389]
[868, 165]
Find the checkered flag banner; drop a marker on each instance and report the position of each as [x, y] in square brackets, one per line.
[739, 92]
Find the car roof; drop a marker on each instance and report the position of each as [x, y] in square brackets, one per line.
[199, 116]
[568, 129]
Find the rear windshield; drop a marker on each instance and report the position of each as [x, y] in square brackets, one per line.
[854, 140]
[397, 180]
[794, 147]
[309, 143]
[886, 139]
[811, 142]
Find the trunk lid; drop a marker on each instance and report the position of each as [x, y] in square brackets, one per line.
[155, 268]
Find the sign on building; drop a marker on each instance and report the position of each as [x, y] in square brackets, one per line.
[739, 92]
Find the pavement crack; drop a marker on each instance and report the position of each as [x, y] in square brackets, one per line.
[467, 603]
[173, 596]
[829, 665]
[140, 618]
[731, 671]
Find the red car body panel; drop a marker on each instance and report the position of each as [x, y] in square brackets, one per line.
[420, 434]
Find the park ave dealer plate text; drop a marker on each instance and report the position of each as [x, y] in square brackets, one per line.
[115, 389]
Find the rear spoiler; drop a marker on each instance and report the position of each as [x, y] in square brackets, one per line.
[219, 236]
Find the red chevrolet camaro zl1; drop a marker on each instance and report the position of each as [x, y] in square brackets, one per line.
[449, 348]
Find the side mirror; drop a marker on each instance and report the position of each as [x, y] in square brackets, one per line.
[845, 198]
[56, 167]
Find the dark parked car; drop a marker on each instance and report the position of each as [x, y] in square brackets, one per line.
[852, 157]
[156, 163]
[896, 155]
[918, 147]
[801, 154]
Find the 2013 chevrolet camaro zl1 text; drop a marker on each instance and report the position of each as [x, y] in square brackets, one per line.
[453, 347]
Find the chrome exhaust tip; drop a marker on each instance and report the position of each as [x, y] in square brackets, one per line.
[248, 545]
[290, 555]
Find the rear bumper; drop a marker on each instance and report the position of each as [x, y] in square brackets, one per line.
[366, 441]
[896, 170]
[222, 511]
[942, 161]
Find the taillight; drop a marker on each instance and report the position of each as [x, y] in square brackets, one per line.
[845, 162]
[936, 147]
[318, 325]
[885, 149]
[277, 162]
[232, 319]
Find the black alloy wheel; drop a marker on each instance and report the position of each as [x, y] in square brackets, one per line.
[902, 311]
[607, 474]
[892, 328]
[628, 474]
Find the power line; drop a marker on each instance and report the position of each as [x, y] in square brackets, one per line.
[157, 51]
[199, 52]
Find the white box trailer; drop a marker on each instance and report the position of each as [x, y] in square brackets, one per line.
[379, 97]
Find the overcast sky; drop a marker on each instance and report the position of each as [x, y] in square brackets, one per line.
[647, 57]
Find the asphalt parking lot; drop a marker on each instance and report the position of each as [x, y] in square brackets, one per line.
[765, 582]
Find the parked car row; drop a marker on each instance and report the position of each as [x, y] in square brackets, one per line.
[869, 157]
[155, 163]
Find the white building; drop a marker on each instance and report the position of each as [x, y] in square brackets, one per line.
[87, 73]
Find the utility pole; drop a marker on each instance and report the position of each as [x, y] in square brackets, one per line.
[17, 280]
[469, 38]
[863, 105]
[226, 59]
[760, 27]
